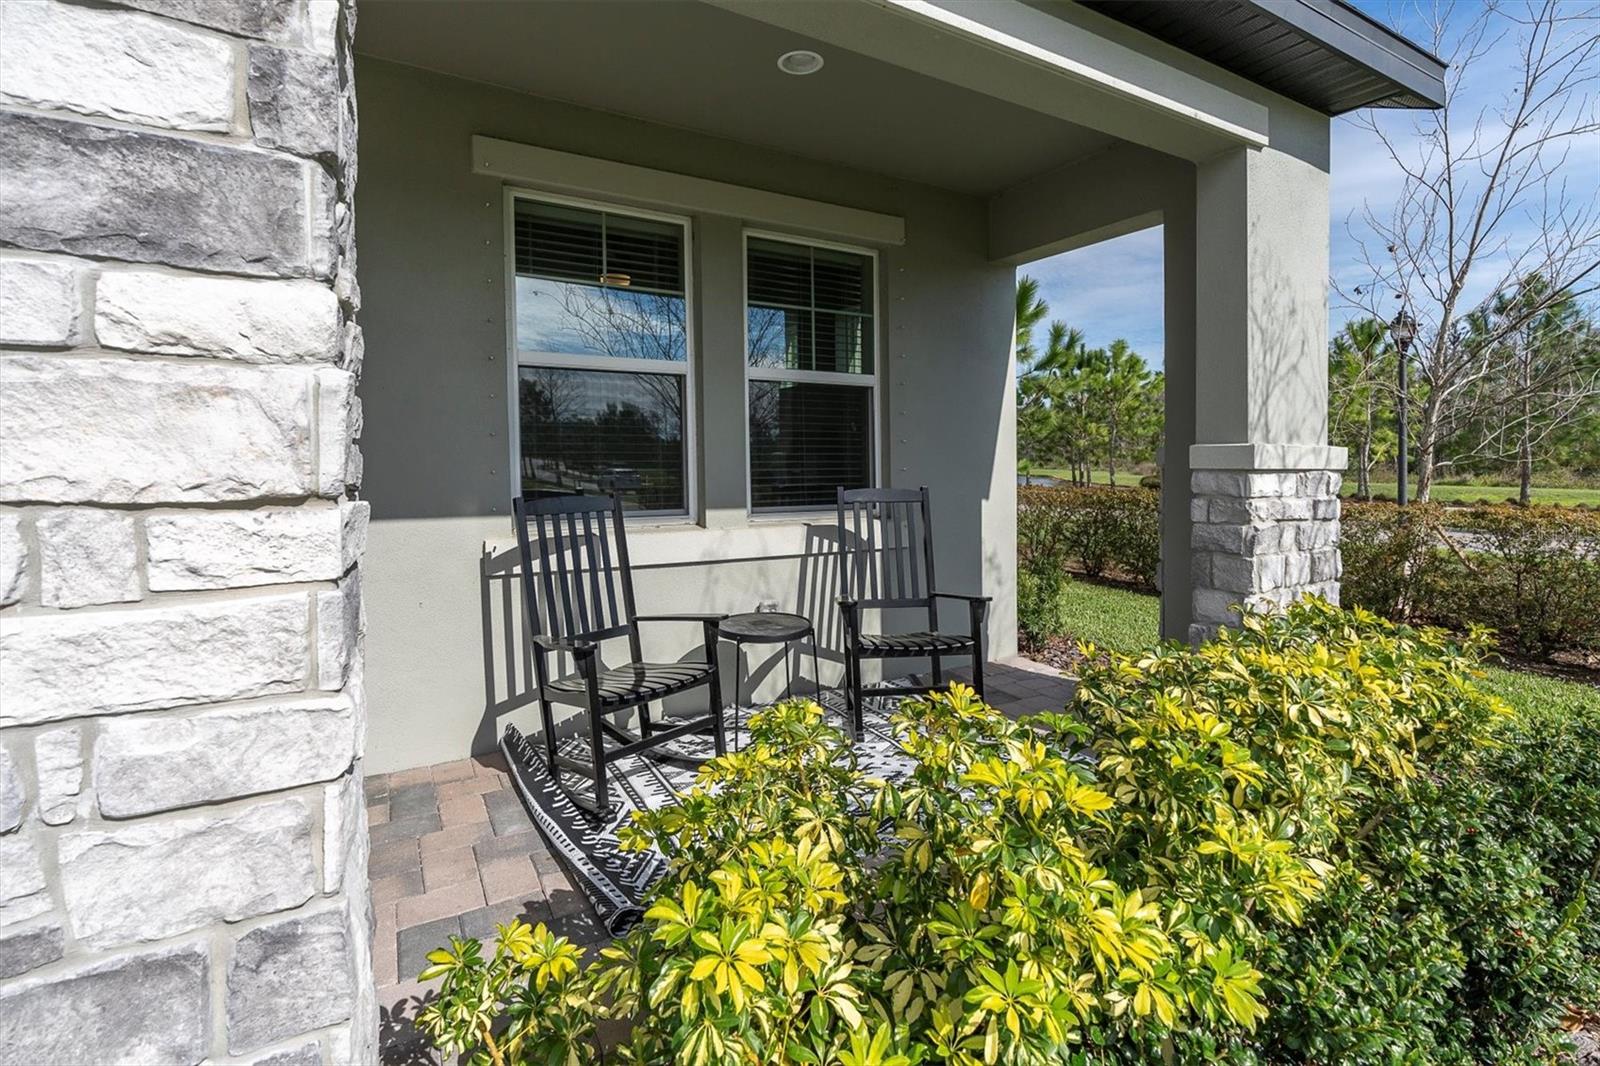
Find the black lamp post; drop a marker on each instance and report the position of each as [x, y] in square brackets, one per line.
[1403, 330]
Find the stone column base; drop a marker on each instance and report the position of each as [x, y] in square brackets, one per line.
[1262, 539]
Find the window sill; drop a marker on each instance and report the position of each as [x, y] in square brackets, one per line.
[683, 544]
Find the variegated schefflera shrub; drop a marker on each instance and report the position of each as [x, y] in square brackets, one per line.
[1100, 886]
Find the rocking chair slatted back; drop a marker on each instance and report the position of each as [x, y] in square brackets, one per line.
[583, 567]
[886, 547]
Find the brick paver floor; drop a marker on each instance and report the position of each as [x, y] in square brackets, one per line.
[455, 853]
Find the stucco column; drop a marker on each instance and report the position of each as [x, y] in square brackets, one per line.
[1263, 482]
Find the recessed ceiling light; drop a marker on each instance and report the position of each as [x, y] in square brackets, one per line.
[803, 61]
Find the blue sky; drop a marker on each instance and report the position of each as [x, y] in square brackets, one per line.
[1113, 289]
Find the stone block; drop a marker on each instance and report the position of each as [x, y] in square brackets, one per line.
[1243, 484]
[58, 763]
[262, 19]
[1270, 537]
[337, 414]
[344, 831]
[1296, 569]
[117, 64]
[1325, 565]
[1320, 483]
[1198, 508]
[294, 101]
[150, 1007]
[322, 26]
[1317, 535]
[1326, 509]
[161, 433]
[27, 949]
[1269, 570]
[151, 198]
[1230, 510]
[1280, 509]
[1221, 538]
[1246, 573]
[154, 763]
[236, 549]
[40, 305]
[357, 516]
[23, 894]
[152, 880]
[339, 629]
[288, 977]
[87, 555]
[250, 319]
[14, 559]
[1215, 606]
[12, 801]
[304, 1055]
[73, 666]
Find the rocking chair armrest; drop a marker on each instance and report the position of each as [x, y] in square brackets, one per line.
[960, 596]
[679, 617]
[850, 614]
[707, 621]
[578, 649]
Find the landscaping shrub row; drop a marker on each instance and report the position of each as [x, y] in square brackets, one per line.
[1531, 574]
[1314, 840]
[1102, 532]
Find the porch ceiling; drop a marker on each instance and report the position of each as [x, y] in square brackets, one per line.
[693, 66]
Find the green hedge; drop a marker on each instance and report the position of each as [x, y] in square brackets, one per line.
[1531, 574]
[1099, 531]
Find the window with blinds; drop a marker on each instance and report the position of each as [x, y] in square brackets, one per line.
[810, 360]
[601, 326]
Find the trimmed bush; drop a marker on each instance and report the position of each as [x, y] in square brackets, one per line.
[1531, 574]
[1100, 531]
[1277, 848]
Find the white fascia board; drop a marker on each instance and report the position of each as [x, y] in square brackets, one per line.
[581, 175]
[1038, 38]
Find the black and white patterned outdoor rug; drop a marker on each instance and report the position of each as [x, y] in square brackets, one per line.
[616, 881]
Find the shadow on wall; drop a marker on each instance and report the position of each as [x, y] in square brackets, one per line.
[508, 667]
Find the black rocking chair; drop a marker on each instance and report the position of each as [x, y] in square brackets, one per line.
[879, 568]
[583, 558]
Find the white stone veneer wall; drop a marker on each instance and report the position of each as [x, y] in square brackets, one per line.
[182, 837]
[1260, 538]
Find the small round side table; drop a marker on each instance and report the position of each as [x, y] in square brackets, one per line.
[766, 627]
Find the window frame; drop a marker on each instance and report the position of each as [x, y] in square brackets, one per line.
[687, 368]
[824, 377]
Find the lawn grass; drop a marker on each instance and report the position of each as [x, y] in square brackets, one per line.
[1125, 478]
[1122, 620]
[1112, 618]
[1564, 497]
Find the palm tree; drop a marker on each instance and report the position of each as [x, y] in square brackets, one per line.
[1031, 310]
[1360, 363]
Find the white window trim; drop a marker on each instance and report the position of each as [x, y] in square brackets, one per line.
[829, 377]
[517, 358]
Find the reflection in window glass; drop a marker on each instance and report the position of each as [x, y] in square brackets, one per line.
[596, 283]
[594, 431]
[562, 317]
[809, 308]
[806, 440]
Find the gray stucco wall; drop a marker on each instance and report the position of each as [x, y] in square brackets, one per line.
[437, 422]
